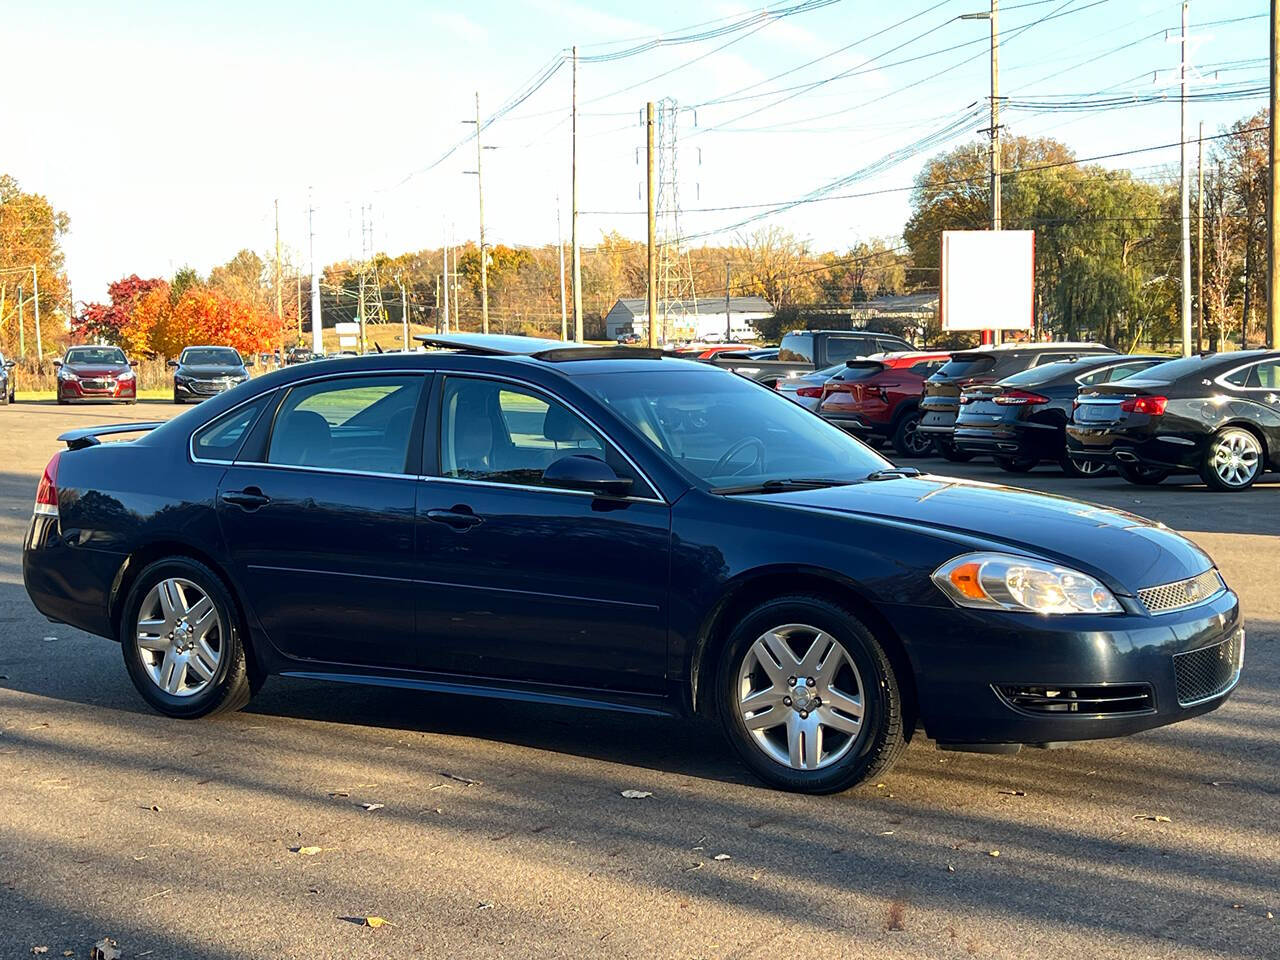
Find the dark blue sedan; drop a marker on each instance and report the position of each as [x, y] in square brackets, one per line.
[604, 527]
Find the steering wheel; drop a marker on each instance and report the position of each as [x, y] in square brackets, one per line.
[737, 448]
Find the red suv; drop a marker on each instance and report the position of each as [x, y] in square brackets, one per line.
[880, 399]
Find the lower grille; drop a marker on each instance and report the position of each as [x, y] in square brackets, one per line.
[1210, 671]
[1092, 700]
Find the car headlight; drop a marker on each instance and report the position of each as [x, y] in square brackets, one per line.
[126, 376]
[65, 374]
[998, 581]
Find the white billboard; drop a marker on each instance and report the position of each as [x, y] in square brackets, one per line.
[988, 279]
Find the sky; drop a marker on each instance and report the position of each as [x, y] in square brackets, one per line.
[169, 130]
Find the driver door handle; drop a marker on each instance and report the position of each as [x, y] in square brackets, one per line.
[250, 498]
[458, 519]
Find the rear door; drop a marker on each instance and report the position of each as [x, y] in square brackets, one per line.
[523, 581]
[318, 513]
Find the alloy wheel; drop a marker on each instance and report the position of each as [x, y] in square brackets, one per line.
[916, 443]
[1088, 468]
[179, 637]
[800, 697]
[1236, 457]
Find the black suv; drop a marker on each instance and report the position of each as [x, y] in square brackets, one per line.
[941, 401]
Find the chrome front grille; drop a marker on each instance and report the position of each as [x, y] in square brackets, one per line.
[1181, 594]
[1210, 671]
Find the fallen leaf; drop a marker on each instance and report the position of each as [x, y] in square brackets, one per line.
[306, 851]
[39, 949]
[50, 639]
[467, 780]
[105, 949]
[950, 868]
[696, 866]
[339, 793]
[1212, 783]
[1237, 906]
[1014, 793]
[887, 833]
[68, 953]
[484, 905]
[154, 808]
[637, 794]
[377, 922]
[1153, 817]
[993, 853]
[723, 856]
[372, 806]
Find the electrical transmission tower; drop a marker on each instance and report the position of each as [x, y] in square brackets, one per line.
[677, 299]
[370, 308]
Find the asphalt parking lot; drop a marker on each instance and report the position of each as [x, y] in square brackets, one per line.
[499, 830]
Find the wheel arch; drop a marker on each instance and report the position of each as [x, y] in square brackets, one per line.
[751, 589]
[139, 559]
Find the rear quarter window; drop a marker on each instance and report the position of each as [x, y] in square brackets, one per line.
[222, 438]
[967, 366]
[796, 348]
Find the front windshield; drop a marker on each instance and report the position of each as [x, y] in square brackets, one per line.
[210, 357]
[95, 355]
[727, 430]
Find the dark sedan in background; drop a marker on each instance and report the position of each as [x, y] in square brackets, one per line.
[604, 527]
[1021, 420]
[203, 372]
[941, 401]
[96, 373]
[1217, 415]
[8, 391]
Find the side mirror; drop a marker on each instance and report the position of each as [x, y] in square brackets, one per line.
[10, 364]
[57, 363]
[585, 472]
[171, 363]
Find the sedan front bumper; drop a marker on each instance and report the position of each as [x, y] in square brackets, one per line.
[994, 678]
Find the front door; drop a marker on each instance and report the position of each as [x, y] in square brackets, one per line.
[321, 524]
[526, 582]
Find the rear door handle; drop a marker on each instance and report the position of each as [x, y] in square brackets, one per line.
[458, 519]
[249, 498]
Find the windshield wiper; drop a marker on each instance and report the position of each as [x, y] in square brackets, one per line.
[893, 473]
[785, 483]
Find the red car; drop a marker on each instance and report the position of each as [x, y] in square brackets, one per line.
[880, 399]
[96, 373]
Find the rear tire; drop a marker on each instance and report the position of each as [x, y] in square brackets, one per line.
[949, 452]
[5, 398]
[1083, 469]
[216, 681]
[1233, 460]
[907, 440]
[1016, 464]
[1142, 475]
[833, 750]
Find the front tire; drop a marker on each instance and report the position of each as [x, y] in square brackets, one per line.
[1142, 475]
[808, 697]
[950, 452]
[907, 440]
[182, 641]
[1233, 461]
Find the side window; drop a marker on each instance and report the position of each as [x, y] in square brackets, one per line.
[1096, 376]
[1122, 370]
[221, 439]
[361, 424]
[504, 433]
[927, 368]
[796, 348]
[840, 349]
[1052, 358]
[1259, 376]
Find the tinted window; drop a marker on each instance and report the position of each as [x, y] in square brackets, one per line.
[210, 357]
[503, 433]
[221, 439]
[796, 348]
[727, 430]
[1259, 376]
[1047, 358]
[859, 371]
[1124, 370]
[926, 368]
[840, 349]
[95, 355]
[967, 366]
[1172, 370]
[890, 344]
[1050, 371]
[360, 424]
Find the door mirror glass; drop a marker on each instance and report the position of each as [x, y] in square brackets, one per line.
[585, 472]
[171, 363]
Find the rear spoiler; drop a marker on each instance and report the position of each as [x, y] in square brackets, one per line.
[88, 436]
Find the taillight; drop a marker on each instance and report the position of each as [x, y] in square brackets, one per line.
[1012, 398]
[809, 392]
[1151, 406]
[47, 492]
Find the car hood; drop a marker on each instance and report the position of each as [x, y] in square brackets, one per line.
[1125, 551]
[96, 369]
[210, 370]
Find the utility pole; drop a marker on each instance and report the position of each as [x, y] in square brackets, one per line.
[1273, 165]
[317, 320]
[446, 286]
[404, 316]
[1200, 242]
[35, 299]
[279, 294]
[484, 258]
[298, 278]
[994, 17]
[439, 329]
[573, 215]
[564, 309]
[728, 321]
[651, 170]
[1185, 196]
[22, 328]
